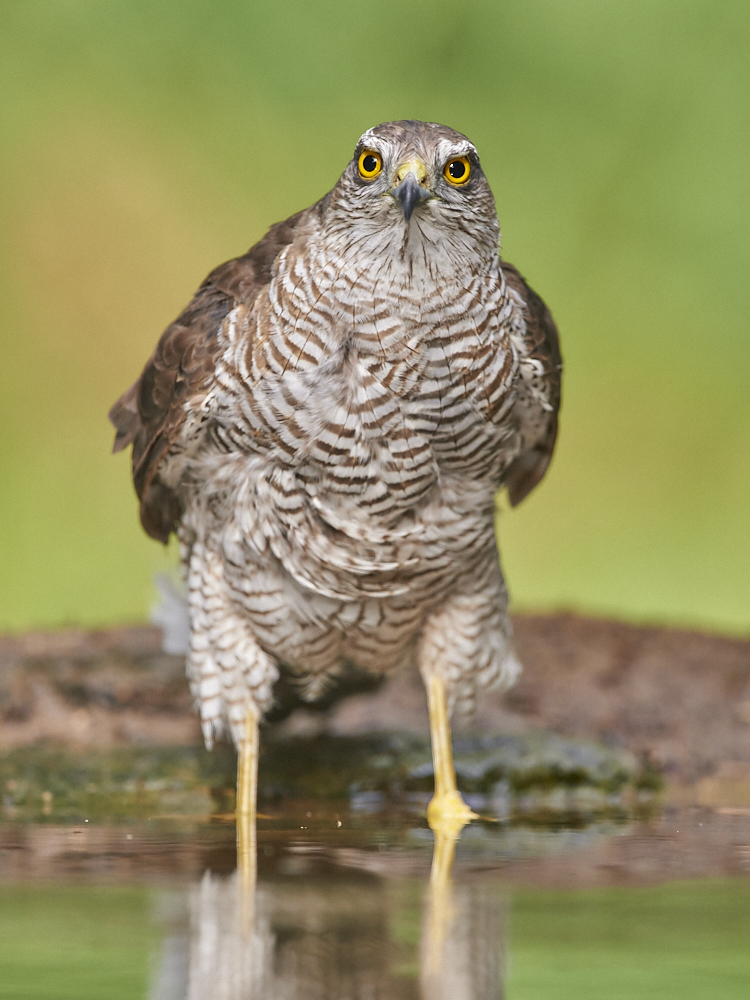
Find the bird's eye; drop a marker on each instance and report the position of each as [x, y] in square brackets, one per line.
[370, 164]
[457, 171]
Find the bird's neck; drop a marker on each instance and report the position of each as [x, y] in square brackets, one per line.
[421, 258]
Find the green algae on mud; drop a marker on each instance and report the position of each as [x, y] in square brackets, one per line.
[44, 783]
[537, 773]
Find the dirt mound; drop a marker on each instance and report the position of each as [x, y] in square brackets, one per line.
[677, 699]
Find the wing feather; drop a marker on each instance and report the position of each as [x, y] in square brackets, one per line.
[543, 345]
[151, 414]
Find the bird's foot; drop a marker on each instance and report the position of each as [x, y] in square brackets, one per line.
[448, 811]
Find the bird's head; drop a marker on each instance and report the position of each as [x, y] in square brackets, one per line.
[414, 186]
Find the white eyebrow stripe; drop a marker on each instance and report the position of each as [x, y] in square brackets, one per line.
[448, 149]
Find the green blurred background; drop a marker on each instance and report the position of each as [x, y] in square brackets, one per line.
[142, 143]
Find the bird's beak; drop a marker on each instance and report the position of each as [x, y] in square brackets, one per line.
[410, 189]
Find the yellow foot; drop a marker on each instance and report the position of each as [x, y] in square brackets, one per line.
[449, 811]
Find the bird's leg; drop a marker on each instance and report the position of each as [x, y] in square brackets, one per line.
[447, 815]
[247, 794]
[446, 809]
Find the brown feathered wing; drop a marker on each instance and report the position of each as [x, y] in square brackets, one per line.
[544, 346]
[181, 371]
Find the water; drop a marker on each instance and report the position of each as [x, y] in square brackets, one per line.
[355, 905]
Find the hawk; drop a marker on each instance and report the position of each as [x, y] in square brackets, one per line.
[325, 428]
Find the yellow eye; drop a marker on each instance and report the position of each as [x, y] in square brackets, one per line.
[370, 164]
[457, 171]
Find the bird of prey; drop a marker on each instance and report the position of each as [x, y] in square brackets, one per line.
[325, 428]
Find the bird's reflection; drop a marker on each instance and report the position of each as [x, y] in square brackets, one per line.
[461, 955]
[344, 934]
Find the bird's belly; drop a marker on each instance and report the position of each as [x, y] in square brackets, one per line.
[359, 478]
[316, 633]
[317, 595]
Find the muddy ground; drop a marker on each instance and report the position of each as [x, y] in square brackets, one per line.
[677, 700]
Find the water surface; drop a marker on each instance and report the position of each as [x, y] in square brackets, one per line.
[344, 908]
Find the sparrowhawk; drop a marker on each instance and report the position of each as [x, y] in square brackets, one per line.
[325, 428]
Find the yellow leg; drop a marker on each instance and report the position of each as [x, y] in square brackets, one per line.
[247, 794]
[447, 810]
[447, 815]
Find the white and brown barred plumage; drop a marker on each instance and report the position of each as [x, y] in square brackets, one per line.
[326, 427]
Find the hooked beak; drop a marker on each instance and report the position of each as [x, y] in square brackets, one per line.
[410, 191]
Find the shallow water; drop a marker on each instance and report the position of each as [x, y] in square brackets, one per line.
[344, 908]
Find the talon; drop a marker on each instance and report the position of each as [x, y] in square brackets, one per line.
[448, 811]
